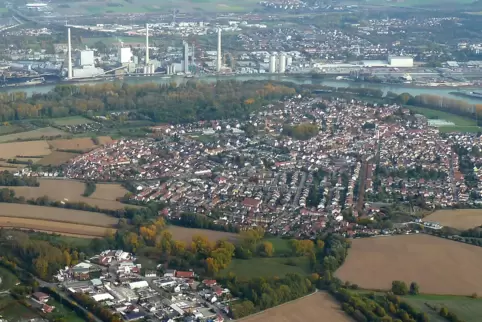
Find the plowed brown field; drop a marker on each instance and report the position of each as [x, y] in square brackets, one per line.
[438, 265]
[457, 218]
[78, 144]
[186, 234]
[319, 306]
[104, 196]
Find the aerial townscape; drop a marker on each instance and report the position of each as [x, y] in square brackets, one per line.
[275, 161]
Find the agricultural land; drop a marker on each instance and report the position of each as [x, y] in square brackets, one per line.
[186, 234]
[267, 267]
[104, 197]
[79, 144]
[32, 135]
[457, 218]
[466, 308]
[318, 306]
[51, 214]
[439, 266]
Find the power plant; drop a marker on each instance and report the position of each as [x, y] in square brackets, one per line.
[69, 55]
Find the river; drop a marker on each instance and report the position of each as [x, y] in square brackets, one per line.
[396, 88]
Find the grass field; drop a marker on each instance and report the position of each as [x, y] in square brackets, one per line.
[71, 120]
[12, 310]
[186, 234]
[4, 130]
[319, 306]
[31, 135]
[457, 218]
[467, 309]
[63, 311]
[281, 246]
[439, 266]
[275, 266]
[8, 279]
[461, 124]
[105, 196]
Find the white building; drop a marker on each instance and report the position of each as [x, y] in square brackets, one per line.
[86, 58]
[125, 55]
[102, 297]
[400, 61]
[138, 284]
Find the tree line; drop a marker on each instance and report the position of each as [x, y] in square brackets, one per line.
[8, 179]
[172, 103]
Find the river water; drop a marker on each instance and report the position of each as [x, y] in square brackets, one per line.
[396, 88]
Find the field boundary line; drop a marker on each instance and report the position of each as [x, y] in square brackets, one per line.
[63, 233]
[274, 307]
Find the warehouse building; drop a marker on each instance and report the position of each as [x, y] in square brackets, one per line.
[400, 61]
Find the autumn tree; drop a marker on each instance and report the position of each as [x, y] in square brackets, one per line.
[399, 288]
[414, 289]
[266, 249]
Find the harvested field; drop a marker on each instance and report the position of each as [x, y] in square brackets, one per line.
[457, 218]
[69, 190]
[319, 306]
[71, 120]
[439, 266]
[68, 229]
[60, 215]
[57, 158]
[30, 148]
[83, 144]
[31, 135]
[185, 234]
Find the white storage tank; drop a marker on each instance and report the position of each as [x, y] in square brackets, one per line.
[282, 64]
[272, 64]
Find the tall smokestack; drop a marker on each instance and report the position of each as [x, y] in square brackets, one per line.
[147, 43]
[69, 54]
[218, 64]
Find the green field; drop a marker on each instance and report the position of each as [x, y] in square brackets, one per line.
[276, 266]
[467, 309]
[8, 279]
[462, 124]
[71, 242]
[71, 120]
[12, 310]
[63, 311]
[281, 246]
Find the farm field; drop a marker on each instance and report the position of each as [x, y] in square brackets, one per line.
[31, 148]
[439, 266]
[319, 306]
[467, 309]
[275, 266]
[31, 135]
[457, 218]
[48, 226]
[186, 234]
[71, 120]
[61, 215]
[78, 143]
[57, 158]
[104, 197]
[281, 246]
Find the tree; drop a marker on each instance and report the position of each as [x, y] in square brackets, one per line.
[444, 312]
[211, 266]
[41, 267]
[414, 289]
[399, 288]
[266, 249]
[67, 258]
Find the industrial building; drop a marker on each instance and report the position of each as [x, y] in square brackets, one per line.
[400, 61]
[85, 58]
[125, 55]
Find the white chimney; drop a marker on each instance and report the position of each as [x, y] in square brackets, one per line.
[147, 43]
[219, 62]
[69, 54]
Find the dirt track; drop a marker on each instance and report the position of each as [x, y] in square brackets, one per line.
[319, 306]
[438, 265]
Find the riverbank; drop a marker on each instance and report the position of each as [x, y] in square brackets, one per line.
[294, 78]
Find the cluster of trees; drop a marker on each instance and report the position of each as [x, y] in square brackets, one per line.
[8, 179]
[77, 309]
[98, 309]
[303, 131]
[370, 307]
[170, 103]
[400, 288]
[198, 221]
[37, 256]
[262, 293]
[89, 188]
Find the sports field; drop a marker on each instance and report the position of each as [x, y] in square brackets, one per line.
[438, 265]
[105, 196]
[457, 218]
[319, 306]
[461, 123]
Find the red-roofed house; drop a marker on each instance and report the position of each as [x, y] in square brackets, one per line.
[182, 274]
[251, 203]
